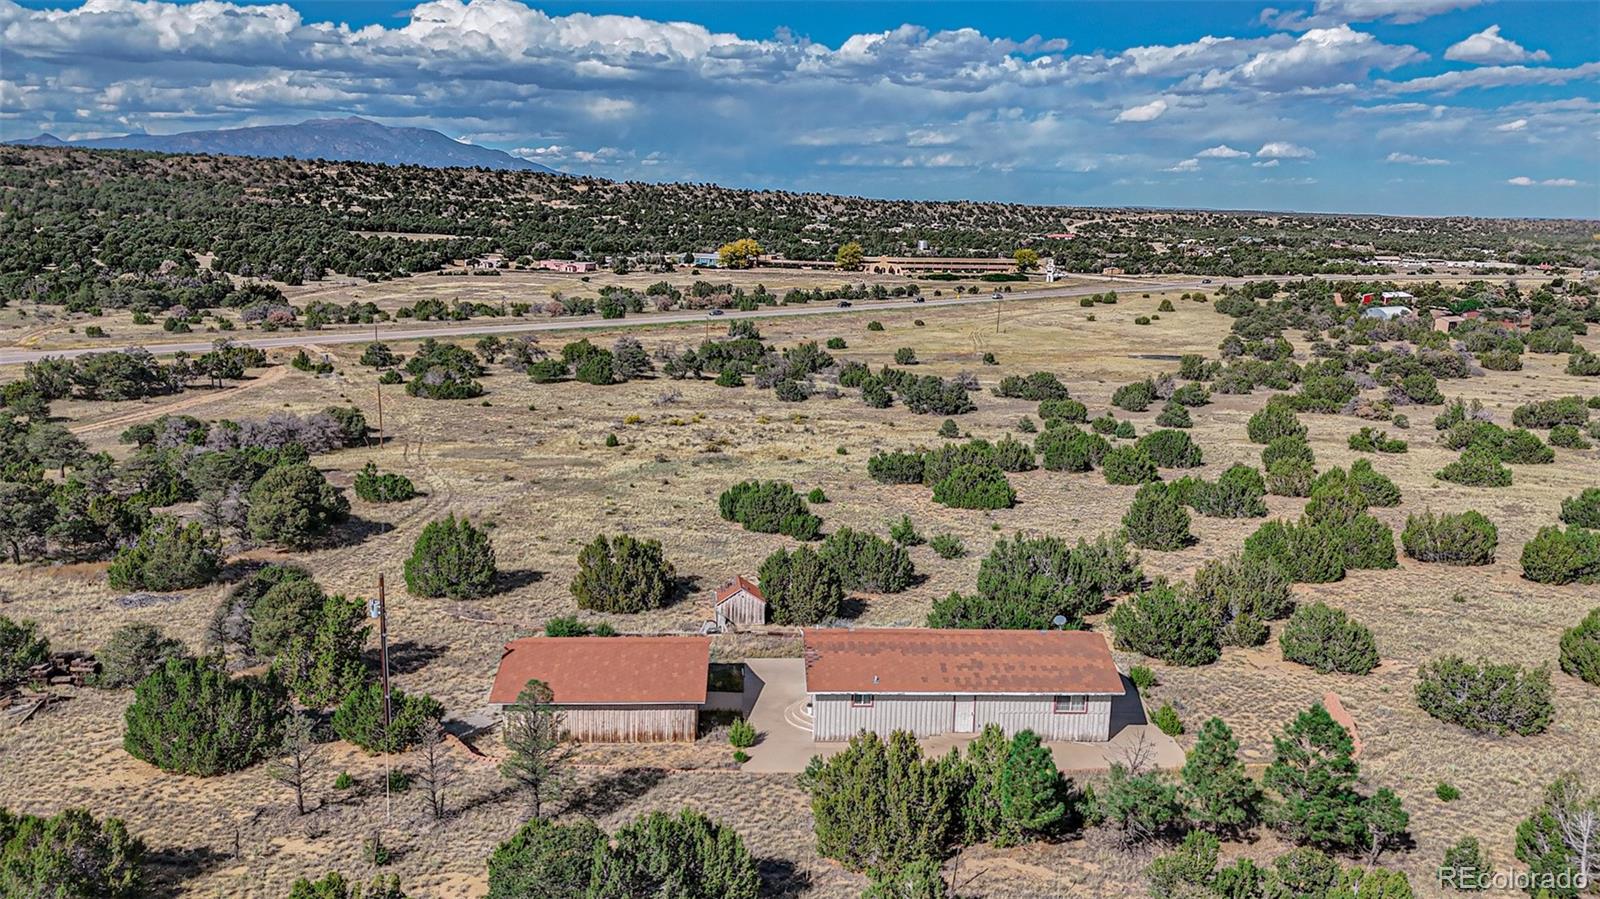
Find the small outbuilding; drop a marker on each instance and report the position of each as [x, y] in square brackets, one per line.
[739, 602]
[1387, 313]
[613, 689]
[1058, 684]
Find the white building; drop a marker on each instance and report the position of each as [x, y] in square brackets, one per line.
[1059, 684]
[1387, 313]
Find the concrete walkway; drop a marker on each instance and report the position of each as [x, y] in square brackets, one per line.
[775, 698]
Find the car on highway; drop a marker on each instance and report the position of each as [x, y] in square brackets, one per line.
[714, 312]
[844, 304]
[1205, 280]
[918, 300]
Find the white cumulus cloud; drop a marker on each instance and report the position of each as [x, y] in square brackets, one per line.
[1513, 125]
[1281, 149]
[1525, 181]
[1145, 112]
[1221, 151]
[1488, 47]
[1188, 165]
[1412, 159]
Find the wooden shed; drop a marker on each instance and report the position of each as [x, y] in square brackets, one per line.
[1058, 684]
[613, 689]
[739, 602]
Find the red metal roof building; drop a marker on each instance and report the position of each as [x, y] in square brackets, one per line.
[613, 689]
[1059, 684]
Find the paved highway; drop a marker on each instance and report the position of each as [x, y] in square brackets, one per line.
[395, 332]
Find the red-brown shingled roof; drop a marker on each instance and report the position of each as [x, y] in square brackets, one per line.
[623, 670]
[740, 582]
[924, 660]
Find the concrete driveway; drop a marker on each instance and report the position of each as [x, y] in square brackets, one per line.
[775, 699]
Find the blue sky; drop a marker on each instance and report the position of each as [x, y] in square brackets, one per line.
[1435, 107]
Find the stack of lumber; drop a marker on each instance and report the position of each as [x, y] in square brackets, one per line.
[63, 669]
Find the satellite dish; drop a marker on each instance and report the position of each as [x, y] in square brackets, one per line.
[1059, 621]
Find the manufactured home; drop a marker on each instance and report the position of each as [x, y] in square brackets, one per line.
[1058, 684]
[613, 689]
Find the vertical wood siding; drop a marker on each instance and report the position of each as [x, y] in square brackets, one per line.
[632, 724]
[835, 719]
[741, 609]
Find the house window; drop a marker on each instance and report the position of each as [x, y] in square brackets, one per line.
[1071, 705]
[861, 700]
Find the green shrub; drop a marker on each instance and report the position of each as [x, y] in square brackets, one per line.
[1143, 677]
[1582, 510]
[836, 343]
[1368, 440]
[1171, 449]
[769, 507]
[1124, 430]
[1476, 468]
[866, 561]
[1291, 448]
[191, 717]
[1242, 594]
[1327, 640]
[1583, 363]
[1568, 437]
[1567, 410]
[1174, 415]
[1237, 493]
[294, 506]
[1379, 491]
[1580, 649]
[1011, 454]
[1128, 465]
[874, 326]
[948, 546]
[1167, 721]
[1290, 477]
[896, 467]
[133, 652]
[1275, 420]
[1555, 556]
[1061, 411]
[1038, 386]
[1464, 862]
[359, 719]
[168, 555]
[685, 854]
[1135, 397]
[21, 647]
[1447, 792]
[71, 855]
[800, 588]
[1163, 623]
[383, 488]
[1304, 553]
[741, 734]
[1025, 582]
[975, 487]
[816, 496]
[1070, 449]
[451, 558]
[546, 859]
[622, 574]
[1485, 697]
[1156, 519]
[1464, 539]
[905, 533]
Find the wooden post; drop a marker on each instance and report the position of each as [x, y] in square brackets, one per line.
[380, 414]
[381, 610]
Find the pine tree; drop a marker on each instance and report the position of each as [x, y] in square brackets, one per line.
[535, 756]
[1314, 776]
[1219, 795]
[300, 759]
[980, 801]
[1032, 798]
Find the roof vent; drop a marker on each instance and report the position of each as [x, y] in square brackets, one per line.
[874, 678]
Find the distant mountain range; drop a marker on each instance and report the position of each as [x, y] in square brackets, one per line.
[349, 139]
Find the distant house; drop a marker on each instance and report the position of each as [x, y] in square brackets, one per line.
[613, 689]
[739, 602]
[708, 260]
[1396, 296]
[1387, 313]
[1059, 684]
[568, 266]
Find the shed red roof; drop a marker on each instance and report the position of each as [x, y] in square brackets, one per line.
[623, 670]
[924, 660]
[740, 582]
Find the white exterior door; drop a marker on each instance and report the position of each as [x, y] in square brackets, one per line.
[966, 714]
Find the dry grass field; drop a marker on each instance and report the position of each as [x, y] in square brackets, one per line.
[531, 462]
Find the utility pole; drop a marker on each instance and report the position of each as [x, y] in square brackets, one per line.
[997, 296]
[379, 609]
[380, 413]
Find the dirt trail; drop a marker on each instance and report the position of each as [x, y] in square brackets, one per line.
[266, 379]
